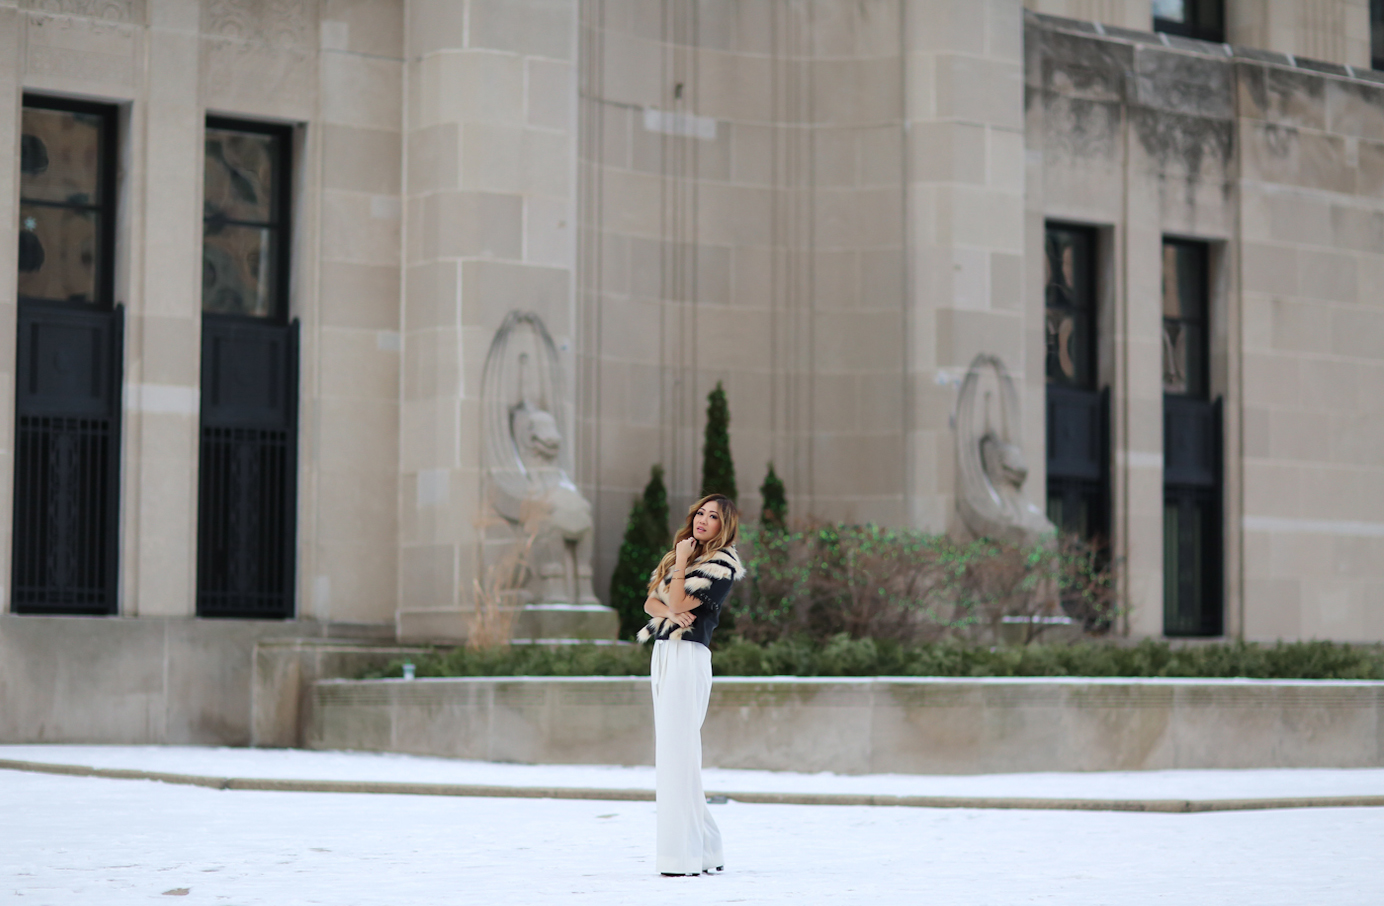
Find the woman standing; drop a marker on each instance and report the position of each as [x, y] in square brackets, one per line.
[685, 597]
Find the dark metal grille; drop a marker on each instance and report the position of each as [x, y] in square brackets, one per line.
[67, 461]
[1191, 517]
[63, 513]
[246, 481]
[248, 489]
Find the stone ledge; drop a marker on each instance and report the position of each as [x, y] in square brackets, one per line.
[872, 725]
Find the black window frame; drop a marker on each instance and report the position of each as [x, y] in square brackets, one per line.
[1377, 34]
[282, 222]
[109, 115]
[1202, 349]
[251, 574]
[81, 421]
[1088, 276]
[1205, 22]
[1193, 470]
[1077, 412]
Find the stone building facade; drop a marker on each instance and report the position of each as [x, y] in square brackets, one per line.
[1174, 238]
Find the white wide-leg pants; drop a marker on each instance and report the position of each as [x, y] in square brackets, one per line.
[688, 839]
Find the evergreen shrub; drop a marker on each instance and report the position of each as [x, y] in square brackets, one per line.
[774, 514]
[718, 471]
[646, 541]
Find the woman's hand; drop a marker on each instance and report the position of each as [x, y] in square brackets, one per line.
[683, 551]
[684, 619]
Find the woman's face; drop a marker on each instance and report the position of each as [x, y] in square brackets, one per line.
[706, 522]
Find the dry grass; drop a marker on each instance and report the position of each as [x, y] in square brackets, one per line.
[498, 593]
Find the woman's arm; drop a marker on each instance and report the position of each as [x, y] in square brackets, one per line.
[657, 609]
[679, 601]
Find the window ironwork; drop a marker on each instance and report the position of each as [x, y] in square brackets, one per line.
[247, 487]
[1191, 448]
[69, 362]
[1201, 19]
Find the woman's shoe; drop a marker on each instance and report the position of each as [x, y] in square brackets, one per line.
[718, 868]
[679, 874]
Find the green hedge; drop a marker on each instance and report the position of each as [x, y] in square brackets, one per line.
[843, 656]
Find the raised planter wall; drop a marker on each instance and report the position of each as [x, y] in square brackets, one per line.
[872, 725]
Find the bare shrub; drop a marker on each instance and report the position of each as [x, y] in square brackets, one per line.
[865, 581]
[498, 592]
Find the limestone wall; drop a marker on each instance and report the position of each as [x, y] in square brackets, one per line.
[1312, 214]
[829, 206]
[334, 68]
[491, 227]
[870, 725]
[1275, 165]
[1337, 31]
[156, 680]
[743, 223]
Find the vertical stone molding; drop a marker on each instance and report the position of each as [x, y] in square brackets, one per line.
[741, 173]
[352, 348]
[964, 166]
[1334, 31]
[163, 332]
[490, 225]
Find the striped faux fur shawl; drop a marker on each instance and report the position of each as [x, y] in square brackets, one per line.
[708, 581]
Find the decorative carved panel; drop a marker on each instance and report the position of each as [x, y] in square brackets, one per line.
[273, 22]
[109, 10]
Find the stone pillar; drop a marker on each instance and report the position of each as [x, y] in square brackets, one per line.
[964, 166]
[490, 226]
[351, 340]
[163, 329]
[1137, 402]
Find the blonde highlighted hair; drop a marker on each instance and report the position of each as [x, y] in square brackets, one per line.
[730, 524]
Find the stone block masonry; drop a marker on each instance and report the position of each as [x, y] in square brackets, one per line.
[872, 725]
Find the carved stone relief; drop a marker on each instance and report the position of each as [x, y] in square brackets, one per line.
[80, 49]
[273, 22]
[990, 459]
[528, 461]
[109, 10]
[274, 81]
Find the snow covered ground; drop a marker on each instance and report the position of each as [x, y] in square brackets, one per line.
[81, 840]
[298, 764]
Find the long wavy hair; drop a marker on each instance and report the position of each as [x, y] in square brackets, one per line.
[730, 524]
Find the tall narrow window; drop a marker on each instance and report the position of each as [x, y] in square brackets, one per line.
[1076, 419]
[1377, 34]
[1204, 19]
[1191, 449]
[67, 387]
[248, 463]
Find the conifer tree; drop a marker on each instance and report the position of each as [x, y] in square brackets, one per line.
[718, 472]
[646, 541]
[775, 512]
